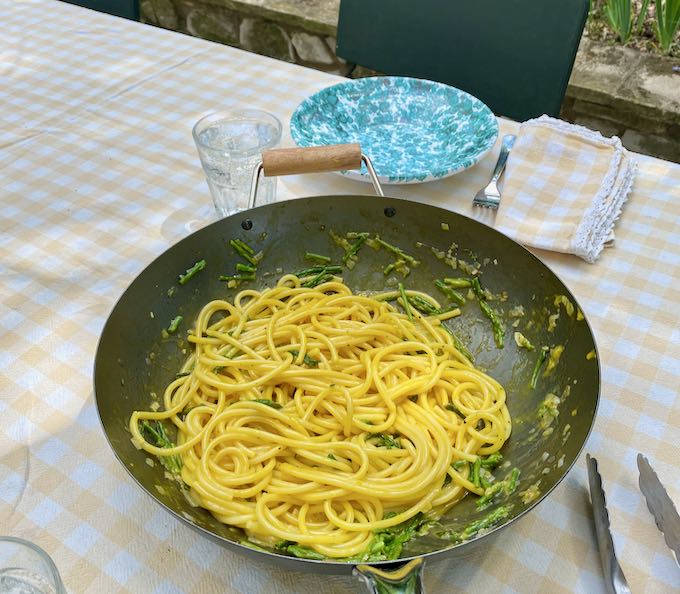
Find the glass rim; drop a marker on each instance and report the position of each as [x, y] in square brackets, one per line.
[44, 556]
[235, 114]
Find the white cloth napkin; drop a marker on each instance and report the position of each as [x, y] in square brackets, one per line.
[564, 189]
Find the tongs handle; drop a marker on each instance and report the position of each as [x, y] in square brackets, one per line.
[313, 159]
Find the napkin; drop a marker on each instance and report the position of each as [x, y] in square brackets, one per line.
[565, 186]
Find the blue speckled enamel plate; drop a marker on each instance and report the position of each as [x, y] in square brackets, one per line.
[413, 130]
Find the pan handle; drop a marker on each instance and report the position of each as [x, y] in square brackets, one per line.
[313, 159]
[407, 579]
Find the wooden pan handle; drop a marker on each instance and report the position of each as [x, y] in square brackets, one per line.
[314, 159]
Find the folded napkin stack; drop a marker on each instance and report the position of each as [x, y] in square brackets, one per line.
[564, 188]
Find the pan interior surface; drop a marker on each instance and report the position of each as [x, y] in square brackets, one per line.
[551, 422]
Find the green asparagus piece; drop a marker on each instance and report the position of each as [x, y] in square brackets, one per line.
[191, 272]
[454, 408]
[314, 270]
[387, 543]
[355, 247]
[507, 486]
[157, 433]
[474, 475]
[307, 360]
[458, 343]
[489, 494]
[492, 460]
[269, 403]
[453, 295]
[174, 324]
[314, 257]
[404, 302]
[423, 306]
[397, 251]
[245, 251]
[240, 267]
[239, 277]
[287, 546]
[321, 277]
[460, 464]
[542, 356]
[511, 482]
[488, 521]
[458, 283]
[489, 312]
[386, 440]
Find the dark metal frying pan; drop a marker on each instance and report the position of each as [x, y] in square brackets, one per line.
[133, 359]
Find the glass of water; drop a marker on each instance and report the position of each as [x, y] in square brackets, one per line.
[230, 144]
[26, 569]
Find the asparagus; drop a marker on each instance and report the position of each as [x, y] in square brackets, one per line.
[404, 302]
[191, 272]
[489, 312]
[486, 522]
[245, 251]
[474, 475]
[458, 343]
[160, 439]
[386, 440]
[314, 257]
[449, 292]
[458, 283]
[355, 247]
[269, 403]
[314, 270]
[542, 356]
[238, 277]
[507, 486]
[307, 360]
[423, 306]
[174, 324]
[397, 251]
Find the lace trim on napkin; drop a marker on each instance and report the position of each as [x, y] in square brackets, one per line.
[597, 225]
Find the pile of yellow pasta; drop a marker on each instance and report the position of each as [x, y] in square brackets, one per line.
[309, 413]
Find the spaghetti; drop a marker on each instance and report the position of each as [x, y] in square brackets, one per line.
[318, 416]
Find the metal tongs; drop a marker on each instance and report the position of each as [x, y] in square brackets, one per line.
[660, 505]
[615, 580]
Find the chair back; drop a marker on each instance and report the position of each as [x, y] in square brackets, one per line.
[128, 9]
[515, 55]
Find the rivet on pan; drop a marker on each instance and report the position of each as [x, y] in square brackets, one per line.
[247, 224]
[390, 211]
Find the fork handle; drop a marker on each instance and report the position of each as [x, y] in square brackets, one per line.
[508, 142]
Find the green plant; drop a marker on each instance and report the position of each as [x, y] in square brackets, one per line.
[619, 15]
[667, 22]
[641, 17]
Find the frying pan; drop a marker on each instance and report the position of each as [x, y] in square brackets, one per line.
[133, 359]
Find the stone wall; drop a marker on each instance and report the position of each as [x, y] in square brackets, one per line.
[615, 90]
[298, 31]
[627, 93]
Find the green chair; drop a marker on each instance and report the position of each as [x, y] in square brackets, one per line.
[128, 9]
[515, 55]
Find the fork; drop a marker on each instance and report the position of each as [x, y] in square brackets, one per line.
[490, 197]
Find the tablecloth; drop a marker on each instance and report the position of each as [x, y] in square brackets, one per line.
[98, 175]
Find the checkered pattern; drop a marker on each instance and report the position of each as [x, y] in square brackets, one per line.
[99, 175]
[565, 186]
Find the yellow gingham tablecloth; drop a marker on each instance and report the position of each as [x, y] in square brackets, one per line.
[98, 175]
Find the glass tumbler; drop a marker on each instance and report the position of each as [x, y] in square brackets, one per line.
[230, 144]
[26, 569]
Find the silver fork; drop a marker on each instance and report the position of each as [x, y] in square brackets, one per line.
[490, 197]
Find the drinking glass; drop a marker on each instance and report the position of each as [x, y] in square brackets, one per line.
[26, 569]
[229, 145]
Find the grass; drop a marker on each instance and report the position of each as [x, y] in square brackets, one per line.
[598, 29]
